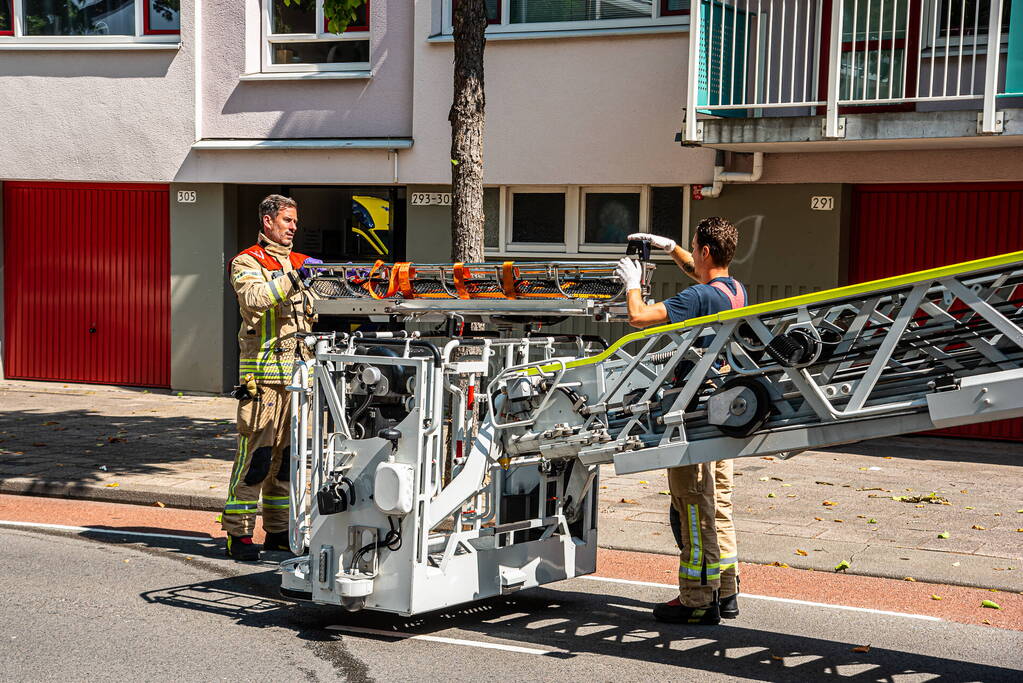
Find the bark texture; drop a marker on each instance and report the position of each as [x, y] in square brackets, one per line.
[467, 119]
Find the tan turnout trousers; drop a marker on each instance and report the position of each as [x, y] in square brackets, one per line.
[263, 463]
[701, 519]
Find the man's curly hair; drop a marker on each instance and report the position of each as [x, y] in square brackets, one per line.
[720, 236]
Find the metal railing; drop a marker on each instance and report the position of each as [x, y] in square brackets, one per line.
[750, 58]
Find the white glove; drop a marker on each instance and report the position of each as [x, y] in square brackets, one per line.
[665, 243]
[630, 272]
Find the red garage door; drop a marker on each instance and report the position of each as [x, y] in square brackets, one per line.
[904, 228]
[87, 283]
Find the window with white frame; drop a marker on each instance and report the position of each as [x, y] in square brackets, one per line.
[508, 16]
[576, 219]
[90, 20]
[295, 38]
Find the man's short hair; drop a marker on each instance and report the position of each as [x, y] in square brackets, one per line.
[274, 203]
[720, 236]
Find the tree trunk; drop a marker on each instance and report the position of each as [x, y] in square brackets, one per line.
[467, 117]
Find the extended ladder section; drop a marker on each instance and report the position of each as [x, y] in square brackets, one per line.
[932, 349]
[477, 291]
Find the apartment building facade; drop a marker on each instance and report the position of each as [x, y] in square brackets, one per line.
[146, 131]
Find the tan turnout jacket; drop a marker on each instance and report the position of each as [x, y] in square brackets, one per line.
[274, 307]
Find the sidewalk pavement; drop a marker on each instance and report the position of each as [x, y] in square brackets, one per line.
[812, 511]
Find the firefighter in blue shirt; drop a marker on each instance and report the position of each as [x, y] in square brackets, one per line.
[701, 495]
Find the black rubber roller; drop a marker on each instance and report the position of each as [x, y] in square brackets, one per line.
[793, 348]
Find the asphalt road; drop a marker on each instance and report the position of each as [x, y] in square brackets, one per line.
[101, 604]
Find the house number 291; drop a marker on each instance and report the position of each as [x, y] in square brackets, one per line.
[822, 203]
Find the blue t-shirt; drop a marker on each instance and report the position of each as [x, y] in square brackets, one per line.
[701, 300]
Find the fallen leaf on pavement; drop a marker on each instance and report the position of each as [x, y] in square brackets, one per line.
[778, 564]
[936, 597]
[1019, 531]
[629, 501]
[800, 551]
[828, 502]
[641, 481]
[986, 622]
[764, 479]
[861, 648]
[113, 485]
[839, 520]
[871, 521]
[979, 527]
[777, 658]
[824, 483]
[158, 504]
[115, 439]
[664, 493]
[818, 519]
[955, 564]
[943, 534]
[771, 495]
[968, 507]
[909, 578]
[990, 604]
[842, 566]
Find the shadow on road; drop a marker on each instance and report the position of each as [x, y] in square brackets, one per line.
[572, 623]
[928, 447]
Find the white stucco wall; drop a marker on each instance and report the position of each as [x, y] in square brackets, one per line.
[100, 116]
[596, 110]
[379, 106]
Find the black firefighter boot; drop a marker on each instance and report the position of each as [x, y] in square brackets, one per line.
[674, 612]
[277, 541]
[242, 548]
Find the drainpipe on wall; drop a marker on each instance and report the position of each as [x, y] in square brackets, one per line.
[721, 176]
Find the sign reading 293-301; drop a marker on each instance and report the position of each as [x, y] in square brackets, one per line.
[431, 199]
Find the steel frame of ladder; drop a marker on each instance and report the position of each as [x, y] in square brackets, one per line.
[931, 349]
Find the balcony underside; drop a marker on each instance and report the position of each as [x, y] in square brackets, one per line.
[863, 132]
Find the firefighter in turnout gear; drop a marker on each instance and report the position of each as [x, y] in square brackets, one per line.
[275, 307]
[701, 495]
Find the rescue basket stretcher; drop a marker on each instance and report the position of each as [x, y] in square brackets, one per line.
[484, 289]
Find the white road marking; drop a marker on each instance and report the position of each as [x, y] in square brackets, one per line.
[774, 599]
[96, 530]
[439, 639]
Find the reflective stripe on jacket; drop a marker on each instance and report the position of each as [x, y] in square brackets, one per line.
[271, 303]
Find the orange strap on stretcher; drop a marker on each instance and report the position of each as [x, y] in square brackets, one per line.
[459, 273]
[399, 280]
[508, 279]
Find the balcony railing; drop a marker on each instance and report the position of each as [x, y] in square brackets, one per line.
[752, 58]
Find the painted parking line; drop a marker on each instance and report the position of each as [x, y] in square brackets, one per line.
[441, 639]
[98, 530]
[792, 601]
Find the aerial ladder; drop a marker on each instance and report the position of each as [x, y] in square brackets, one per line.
[434, 468]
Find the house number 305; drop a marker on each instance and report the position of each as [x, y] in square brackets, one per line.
[187, 196]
